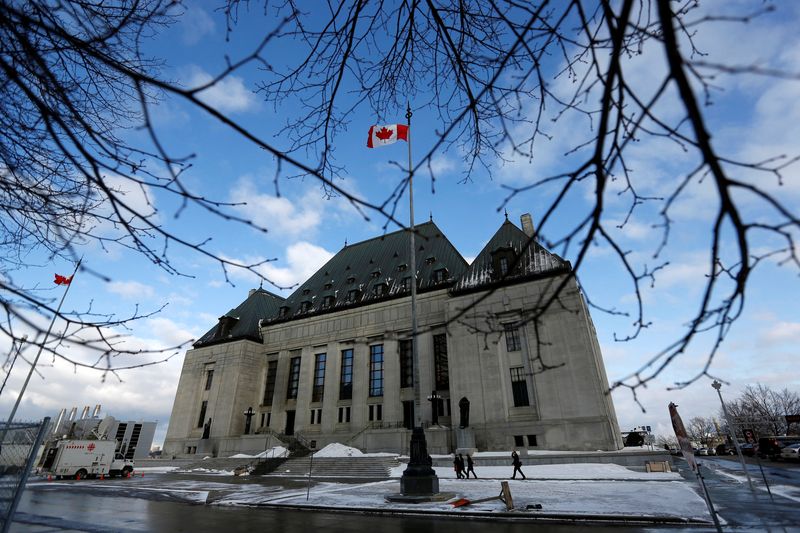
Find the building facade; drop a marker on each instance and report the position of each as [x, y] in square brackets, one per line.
[506, 348]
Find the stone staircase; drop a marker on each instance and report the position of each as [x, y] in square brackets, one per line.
[338, 467]
[219, 463]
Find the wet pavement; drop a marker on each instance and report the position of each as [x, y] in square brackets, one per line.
[172, 502]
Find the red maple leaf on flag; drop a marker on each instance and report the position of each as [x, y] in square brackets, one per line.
[383, 134]
[62, 280]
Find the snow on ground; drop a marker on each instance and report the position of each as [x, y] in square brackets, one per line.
[336, 449]
[275, 451]
[636, 498]
[577, 471]
[156, 469]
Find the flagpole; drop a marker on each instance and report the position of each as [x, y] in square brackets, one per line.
[414, 351]
[38, 354]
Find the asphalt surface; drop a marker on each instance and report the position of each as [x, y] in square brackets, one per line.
[54, 507]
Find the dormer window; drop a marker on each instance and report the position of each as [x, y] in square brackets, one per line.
[353, 295]
[440, 275]
[283, 311]
[503, 265]
[379, 289]
[305, 306]
[226, 324]
[405, 284]
[328, 286]
[306, 291]
[402, 268]
[502, 260]
[351, 280]
[430, 260]
[376, 273]
[328, 301]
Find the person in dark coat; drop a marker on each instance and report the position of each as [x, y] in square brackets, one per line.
[458, 466]
[517, 465]
[470, 467]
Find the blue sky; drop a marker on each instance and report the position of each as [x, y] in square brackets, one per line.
[753, 117]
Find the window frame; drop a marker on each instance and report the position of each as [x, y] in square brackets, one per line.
[293, 385]
[346, 375]
[440, 362]
[376, 366]
[519, 387]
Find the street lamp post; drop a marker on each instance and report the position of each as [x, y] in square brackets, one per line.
[248, 415]
[717, 385]
[434, 399]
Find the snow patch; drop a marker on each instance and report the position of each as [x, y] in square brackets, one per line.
[335, 449]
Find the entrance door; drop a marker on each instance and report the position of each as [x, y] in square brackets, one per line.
[408, 414]
[289, 423]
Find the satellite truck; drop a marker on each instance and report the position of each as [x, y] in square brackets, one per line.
[83, 452]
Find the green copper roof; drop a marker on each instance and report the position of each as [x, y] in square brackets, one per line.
[243, 322]
[377, 269]
[525, 259]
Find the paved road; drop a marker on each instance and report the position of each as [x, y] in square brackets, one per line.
[89, 507]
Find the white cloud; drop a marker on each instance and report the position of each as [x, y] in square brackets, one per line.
[195, 23]
[781, 332]
[302, 259]
[277, 214]
[228, 95]
[130, 289]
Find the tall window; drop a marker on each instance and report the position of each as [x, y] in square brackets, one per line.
[269, 388]
[518, 387]
[209, 378]
[346, 381]
[294, 378]
[441, 370]
[319, 377]
[503, 265]
[513, 343]
[202, 418]
[406, 364]
[376, 370]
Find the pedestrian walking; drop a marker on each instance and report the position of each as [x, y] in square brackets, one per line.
[517, 465]
[458, 466]
[464, 472]
[470, 467]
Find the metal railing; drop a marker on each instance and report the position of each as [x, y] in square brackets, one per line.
[18, 450]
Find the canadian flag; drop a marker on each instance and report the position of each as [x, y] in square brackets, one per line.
[62, 280]
[387, 134]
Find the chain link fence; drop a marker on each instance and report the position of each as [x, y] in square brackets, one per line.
[19, 444]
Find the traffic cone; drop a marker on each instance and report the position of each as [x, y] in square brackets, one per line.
[49, 478]
[101, 476]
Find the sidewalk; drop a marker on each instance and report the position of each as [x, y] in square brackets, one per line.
[603, 493]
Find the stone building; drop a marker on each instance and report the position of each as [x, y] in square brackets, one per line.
[333, 361]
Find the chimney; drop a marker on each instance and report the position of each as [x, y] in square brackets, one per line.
[527, 224]
[252, 292]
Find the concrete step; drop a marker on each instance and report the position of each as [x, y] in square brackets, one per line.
[351, 467]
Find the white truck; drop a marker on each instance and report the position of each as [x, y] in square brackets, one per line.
[80, 459]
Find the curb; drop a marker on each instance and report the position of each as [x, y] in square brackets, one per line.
[521, 515]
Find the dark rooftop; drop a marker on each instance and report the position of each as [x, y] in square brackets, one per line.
[242, 322]
[509, 257]
[377, 269]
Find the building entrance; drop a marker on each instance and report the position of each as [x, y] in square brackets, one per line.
[289, 423]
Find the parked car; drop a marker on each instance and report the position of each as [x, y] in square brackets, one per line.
[705, 451]
[748, 449]
[791, 451]
[771, 446]
[724, 449]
